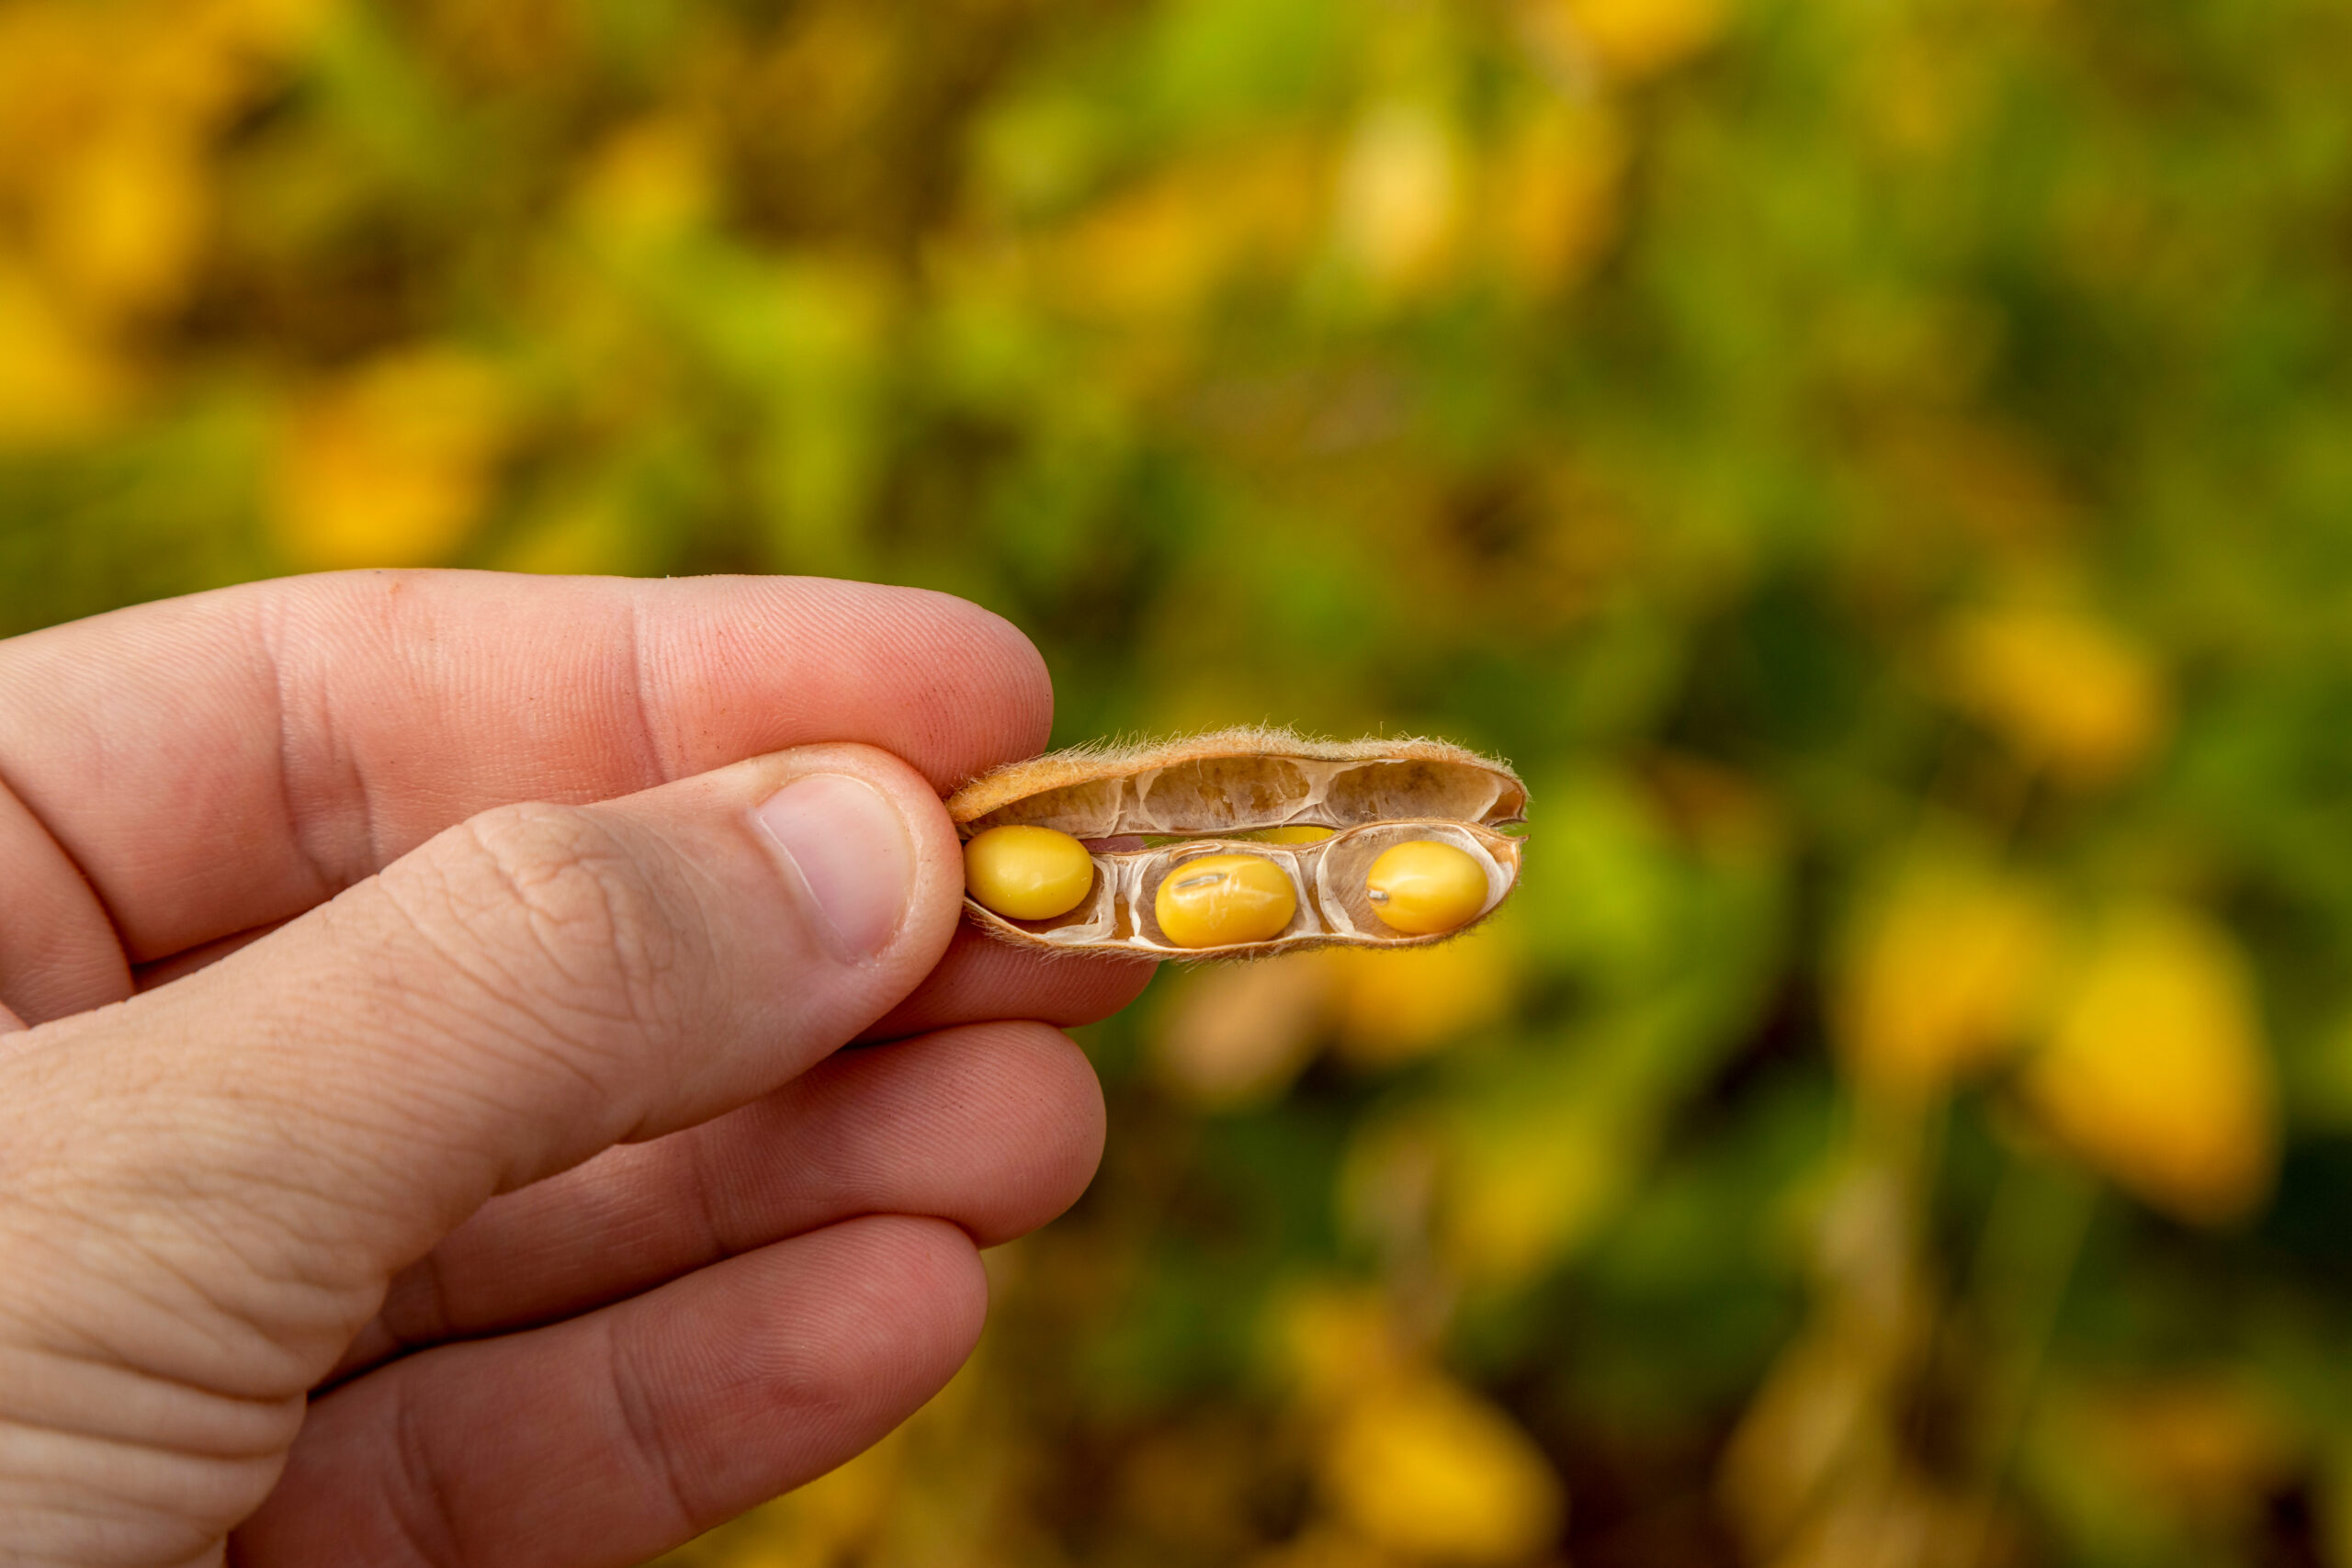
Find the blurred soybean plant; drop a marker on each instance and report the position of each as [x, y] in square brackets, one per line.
[1884, 468]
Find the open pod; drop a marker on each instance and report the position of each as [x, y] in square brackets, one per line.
[1214, 794]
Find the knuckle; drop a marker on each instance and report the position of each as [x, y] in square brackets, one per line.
[565, 914]
[658, 1453]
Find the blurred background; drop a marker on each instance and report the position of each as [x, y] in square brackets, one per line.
[1882, 469]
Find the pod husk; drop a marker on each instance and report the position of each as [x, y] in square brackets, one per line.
[1205, 790]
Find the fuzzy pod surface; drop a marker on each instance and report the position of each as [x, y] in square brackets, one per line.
[1215, 794]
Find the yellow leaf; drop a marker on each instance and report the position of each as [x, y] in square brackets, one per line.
[124, 221]
[1150, 254]
[1634, 38]
[648, 181]
[1428, 1469]
[1553, 201]
[55, 87]
[2155, 1074]
[1158, 251]
[1329, 1341]
[847, 1505]
[393, 466]
[58, 382]
[274, 24]
[1400, 196]
[1518, 1176]
[200, 61]
[1939, 974]
[2063, 689]
[1398, 1006]
[1520, 1192]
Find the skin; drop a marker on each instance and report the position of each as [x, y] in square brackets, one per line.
[395, 1172]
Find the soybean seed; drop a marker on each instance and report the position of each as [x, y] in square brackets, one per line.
[1027, 873]
[1421, 887]
[1222, 900]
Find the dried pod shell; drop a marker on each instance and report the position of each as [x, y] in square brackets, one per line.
[1206, 791]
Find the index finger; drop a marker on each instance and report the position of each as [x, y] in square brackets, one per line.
[185, 771]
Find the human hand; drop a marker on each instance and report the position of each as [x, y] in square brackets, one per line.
[514, 1130]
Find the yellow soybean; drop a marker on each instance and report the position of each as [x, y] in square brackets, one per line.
[1422, 887]
[1218, 900]
[1027, 873]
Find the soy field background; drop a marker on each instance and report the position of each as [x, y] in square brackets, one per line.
[1882, 468]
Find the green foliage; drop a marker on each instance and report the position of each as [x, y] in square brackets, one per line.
[1878, 466]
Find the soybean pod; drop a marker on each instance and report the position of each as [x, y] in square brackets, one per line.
[1240, 844]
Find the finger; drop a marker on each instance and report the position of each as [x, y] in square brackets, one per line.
[982, 979]
[519, 994]
[995, 1129]
[185, 771]
[58, 949]
[163, 971]
[978, 980]
[611, 1438]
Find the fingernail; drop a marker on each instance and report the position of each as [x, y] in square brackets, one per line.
[844, 844]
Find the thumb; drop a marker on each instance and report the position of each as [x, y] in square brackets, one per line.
[512, 996]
